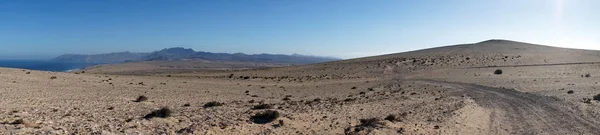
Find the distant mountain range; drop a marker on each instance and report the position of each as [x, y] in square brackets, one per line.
[179, 53]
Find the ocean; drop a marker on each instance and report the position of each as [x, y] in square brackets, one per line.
[44, 65]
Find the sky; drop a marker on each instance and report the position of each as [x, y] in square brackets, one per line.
[338, 28]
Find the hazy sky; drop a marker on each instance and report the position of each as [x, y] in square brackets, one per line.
[341, 28]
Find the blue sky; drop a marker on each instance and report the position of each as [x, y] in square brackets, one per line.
[340, 28]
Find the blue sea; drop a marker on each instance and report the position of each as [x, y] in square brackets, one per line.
[44, 65]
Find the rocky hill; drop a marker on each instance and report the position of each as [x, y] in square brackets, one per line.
[179, 53]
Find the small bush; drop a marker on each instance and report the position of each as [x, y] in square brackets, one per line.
[597, 97]
[317, 100]
[262, 106]
[212, 104]
[161, 113]
[498, 71]
[400, 131]
[17, 122]
[265, 117]
[141, 99]
[371, 122]
[587, 100]
[392, 118]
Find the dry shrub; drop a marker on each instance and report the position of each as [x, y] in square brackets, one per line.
[262, 106]
[498, 71]
[161, 113]
[141, 98]
[212, 104]
[265, 117]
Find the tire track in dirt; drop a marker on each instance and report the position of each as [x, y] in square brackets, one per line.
[515, 112]
[540, 65]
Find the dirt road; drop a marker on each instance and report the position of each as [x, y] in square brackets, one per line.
[514, 112]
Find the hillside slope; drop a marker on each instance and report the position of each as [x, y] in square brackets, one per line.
[491, 53]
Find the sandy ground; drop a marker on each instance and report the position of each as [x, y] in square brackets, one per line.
[447, 90]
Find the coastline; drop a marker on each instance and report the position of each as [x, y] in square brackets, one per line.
[44, 65]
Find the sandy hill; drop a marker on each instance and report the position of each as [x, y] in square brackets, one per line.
[490, 87]
[491, 53]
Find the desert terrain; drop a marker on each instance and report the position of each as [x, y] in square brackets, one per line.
[490, 87]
